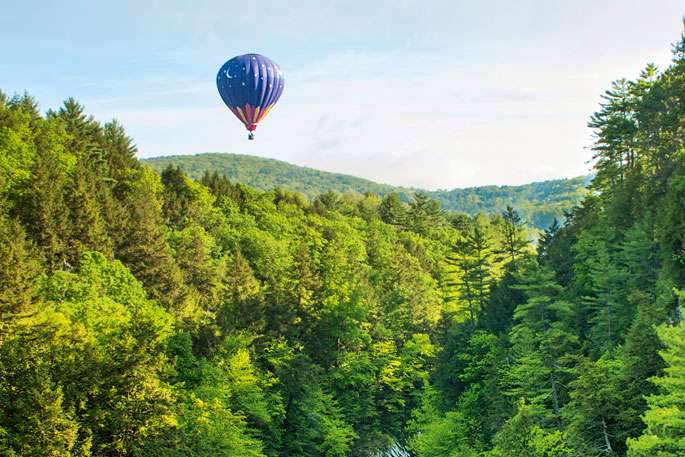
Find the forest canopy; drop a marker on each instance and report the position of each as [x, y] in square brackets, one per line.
[538, 203]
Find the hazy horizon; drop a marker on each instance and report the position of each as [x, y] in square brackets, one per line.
[446, 96]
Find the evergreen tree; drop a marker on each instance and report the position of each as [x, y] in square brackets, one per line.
[241, 307]
[392, 210]
[496, 316]
[615, 128]
[178, 199]
[219, 185]
[546, 241]
[45, 210]
[87, 225]
[472, 259]
[542, 340]
[514, 235]
[424, 214]
[521, 436]
[665, 417]
[145, 249]
[194, 252]
[120, 153]
[313, 419]
[19, 271]
[594, 413]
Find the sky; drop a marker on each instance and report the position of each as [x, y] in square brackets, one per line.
[431, 94]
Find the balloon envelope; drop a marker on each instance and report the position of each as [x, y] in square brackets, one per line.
[250, 85]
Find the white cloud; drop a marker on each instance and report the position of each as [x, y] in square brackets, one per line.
[464, 97]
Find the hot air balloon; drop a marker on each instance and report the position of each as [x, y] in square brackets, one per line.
[250, 85]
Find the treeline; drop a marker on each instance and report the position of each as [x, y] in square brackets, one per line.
[538, 203]
[146, 314]
[268, 174]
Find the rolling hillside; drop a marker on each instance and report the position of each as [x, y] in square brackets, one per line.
[538, 202]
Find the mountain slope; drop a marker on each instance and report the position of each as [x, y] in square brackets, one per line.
[267, 174]
[538, 202]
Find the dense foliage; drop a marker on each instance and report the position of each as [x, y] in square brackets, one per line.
[149, 314]
[581, 350]
[538, 203]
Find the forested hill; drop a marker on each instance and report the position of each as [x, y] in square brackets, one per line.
[539, 203]
[269, 174]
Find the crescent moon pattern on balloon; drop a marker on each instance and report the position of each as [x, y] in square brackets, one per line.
[250, 85]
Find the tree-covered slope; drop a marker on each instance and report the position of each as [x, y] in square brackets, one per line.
[268, 174]
[146, 314]
[538, 202]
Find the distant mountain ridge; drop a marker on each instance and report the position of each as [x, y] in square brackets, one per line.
[538, 202]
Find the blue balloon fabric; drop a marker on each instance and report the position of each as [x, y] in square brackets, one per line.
[250, 85]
